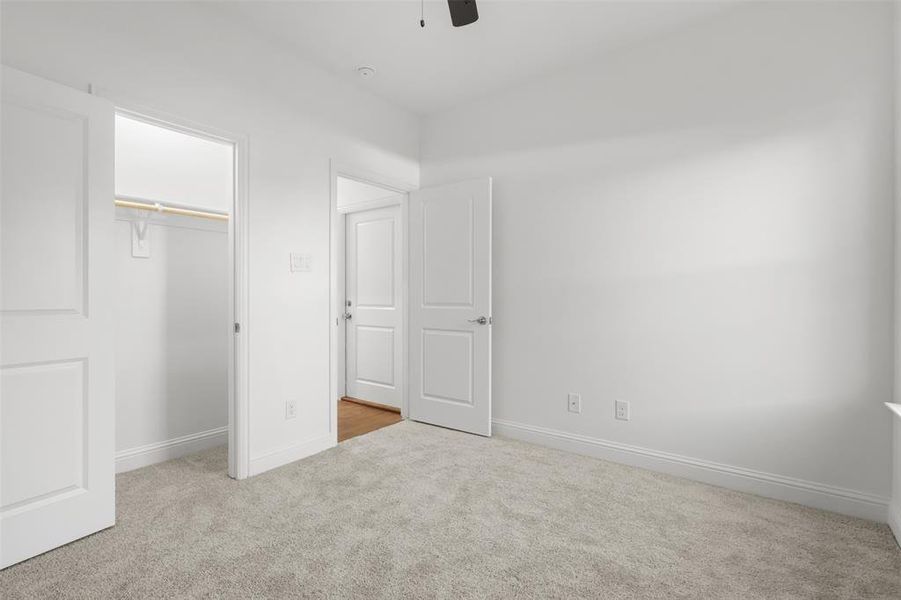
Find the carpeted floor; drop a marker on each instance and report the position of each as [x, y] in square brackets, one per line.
[413, 511]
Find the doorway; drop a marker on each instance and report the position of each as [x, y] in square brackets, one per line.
[373, 317]
[445, 371]
[177, 311]
[370, 274]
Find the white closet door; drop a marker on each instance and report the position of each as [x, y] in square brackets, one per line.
[450, 306]
[374, 311]
[56, 376]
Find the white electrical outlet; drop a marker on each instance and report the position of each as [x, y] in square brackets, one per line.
[574, 403]
[290, 409]
[622, 410]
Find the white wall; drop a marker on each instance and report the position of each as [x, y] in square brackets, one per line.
[191, 61]
[700, 225]
[350, 193]
[172, 322]
[171, 340]
[171, 167]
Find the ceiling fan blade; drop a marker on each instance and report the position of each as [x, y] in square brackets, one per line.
[463, 12]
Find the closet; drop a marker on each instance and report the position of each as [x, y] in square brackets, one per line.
[174, 195]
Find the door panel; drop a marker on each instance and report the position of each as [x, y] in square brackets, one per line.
[56, 375]
[375, 355]
[46, 402]
[447, 252]
[58, 204]
[447, 365]
[375, 256]
[450, 289]
[374, 290]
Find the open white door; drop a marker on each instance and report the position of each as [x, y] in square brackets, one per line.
[450, 306]
[56, 358]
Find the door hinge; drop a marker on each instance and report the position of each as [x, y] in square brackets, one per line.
[237, 328]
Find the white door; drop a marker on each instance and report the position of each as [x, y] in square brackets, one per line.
[56, 368]
[374, 306]
[450, 306]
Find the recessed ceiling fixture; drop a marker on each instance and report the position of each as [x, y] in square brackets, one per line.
[366, 72]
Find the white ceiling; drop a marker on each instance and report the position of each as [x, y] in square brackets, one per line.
[431, 69]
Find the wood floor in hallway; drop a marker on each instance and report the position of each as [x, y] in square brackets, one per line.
[356, 419]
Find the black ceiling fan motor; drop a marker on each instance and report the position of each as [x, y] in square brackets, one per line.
[463, 12]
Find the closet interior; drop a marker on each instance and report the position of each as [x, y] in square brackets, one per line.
[174, 198]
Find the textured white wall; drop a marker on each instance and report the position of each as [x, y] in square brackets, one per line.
[192, 61]
[700, 225]
[172, 322]
[350, 192]
[171, 332]
[163, 165]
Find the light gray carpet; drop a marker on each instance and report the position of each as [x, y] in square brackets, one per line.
[413, 511]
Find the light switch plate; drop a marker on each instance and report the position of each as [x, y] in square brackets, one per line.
[301, 263]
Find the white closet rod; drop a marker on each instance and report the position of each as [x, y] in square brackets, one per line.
[168, 208]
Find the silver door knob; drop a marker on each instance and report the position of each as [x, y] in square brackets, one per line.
[348, 316]
[480, 320]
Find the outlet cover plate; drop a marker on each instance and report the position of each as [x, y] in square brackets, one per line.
[622, 410]
[574, 403]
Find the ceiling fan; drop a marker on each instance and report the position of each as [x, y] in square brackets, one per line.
[463, 12]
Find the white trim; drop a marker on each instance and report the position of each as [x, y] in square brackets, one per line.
[290, 454]
[393, 200]
[158, 118]
[372, 177]
[239, 268]
[894, 407]
[817, 495]
[894, 521]
[150, 454]
[239, 297]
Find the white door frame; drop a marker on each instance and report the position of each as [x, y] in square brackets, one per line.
[337, 356]
[239, 267]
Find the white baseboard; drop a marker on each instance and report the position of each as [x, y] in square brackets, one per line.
[142, 456]
[290, 454]
[894, 519]
[808, 493]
